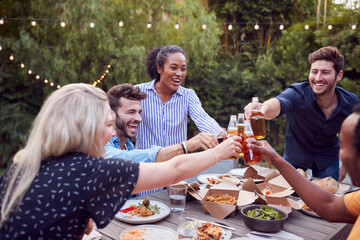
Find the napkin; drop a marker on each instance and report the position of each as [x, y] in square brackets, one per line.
[94, 235]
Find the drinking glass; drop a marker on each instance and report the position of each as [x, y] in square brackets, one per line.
[188, 227]
[177, 193]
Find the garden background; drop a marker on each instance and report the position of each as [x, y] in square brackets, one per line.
[236, 50]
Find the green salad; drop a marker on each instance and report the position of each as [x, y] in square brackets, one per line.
[264, 213]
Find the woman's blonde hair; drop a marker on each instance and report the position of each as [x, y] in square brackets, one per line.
[70, 120]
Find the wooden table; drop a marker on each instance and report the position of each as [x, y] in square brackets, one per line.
[298, 223]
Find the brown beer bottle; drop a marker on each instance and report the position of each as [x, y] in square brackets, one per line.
[251, 157]
[257, 120]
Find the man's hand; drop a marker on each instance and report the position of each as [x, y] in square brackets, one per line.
[267, 152]
[342, 173]
[202, 140]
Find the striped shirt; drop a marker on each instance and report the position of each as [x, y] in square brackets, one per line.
[165, 124]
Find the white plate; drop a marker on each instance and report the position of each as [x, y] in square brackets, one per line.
[238, 171]
[153, 232]
[203, 178]
[125, 217]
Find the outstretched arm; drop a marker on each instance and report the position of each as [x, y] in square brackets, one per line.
[156, 175]
[324, 203]
[270, 108]
[201, 140]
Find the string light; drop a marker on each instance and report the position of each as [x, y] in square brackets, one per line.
[353, 27]
[148, 25]
[121, 23]
[230, 27]
[62, 23]
[45, 80]
[204, 26]
[0, 47]
[256, 27]
[22, 65]
[177, 26]
[102, 76]
[58, 86]
[29, 71]
[330, 27]
[33, 23]
[37, 77]
[92, 24]
[306, 26]
[11, 57]
[52, 84]
[281, 27]
[2, 21]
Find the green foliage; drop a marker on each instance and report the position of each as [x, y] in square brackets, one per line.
[226, 68]
[13, 131]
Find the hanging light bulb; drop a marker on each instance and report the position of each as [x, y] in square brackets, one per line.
[62, 23]
[177, 26]
[353, 27]
[45, 80]
[2, 21]
[281, 27]
[204, 26]
[306, 26]
[29, 71]
[92, 24]
[330, 27]
[22, 65]
[121, 23]
[33, 23]
[256, 27]
[11, 57]
[51, 84]
[148, 25]
[230, 27]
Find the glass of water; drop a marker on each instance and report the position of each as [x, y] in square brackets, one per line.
[188, 227]
[177, 193]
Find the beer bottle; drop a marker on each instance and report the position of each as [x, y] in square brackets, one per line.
[232, 128]
[257, 119]
[251, 157]
[241, 128]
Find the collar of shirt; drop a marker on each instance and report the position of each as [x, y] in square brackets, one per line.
[151, 86]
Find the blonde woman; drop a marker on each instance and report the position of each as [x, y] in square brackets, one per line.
[60, 179]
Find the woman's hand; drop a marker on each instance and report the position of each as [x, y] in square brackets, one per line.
[231, 147]
[266, 151]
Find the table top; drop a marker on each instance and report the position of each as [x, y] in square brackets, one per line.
[298, 223]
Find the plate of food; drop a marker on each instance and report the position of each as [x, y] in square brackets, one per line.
[212, 178]
[305, 209]
[207, 230]
[141, 211]
[148, 232]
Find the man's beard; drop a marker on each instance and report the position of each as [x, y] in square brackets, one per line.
[121, 127]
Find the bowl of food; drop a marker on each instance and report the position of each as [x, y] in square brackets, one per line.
[263, 218]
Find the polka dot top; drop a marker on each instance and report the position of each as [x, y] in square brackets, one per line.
[66, 193]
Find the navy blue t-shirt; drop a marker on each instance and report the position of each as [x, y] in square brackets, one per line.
[310, 137]
[66, 193]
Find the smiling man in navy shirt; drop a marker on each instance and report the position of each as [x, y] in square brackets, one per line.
[314, 112]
